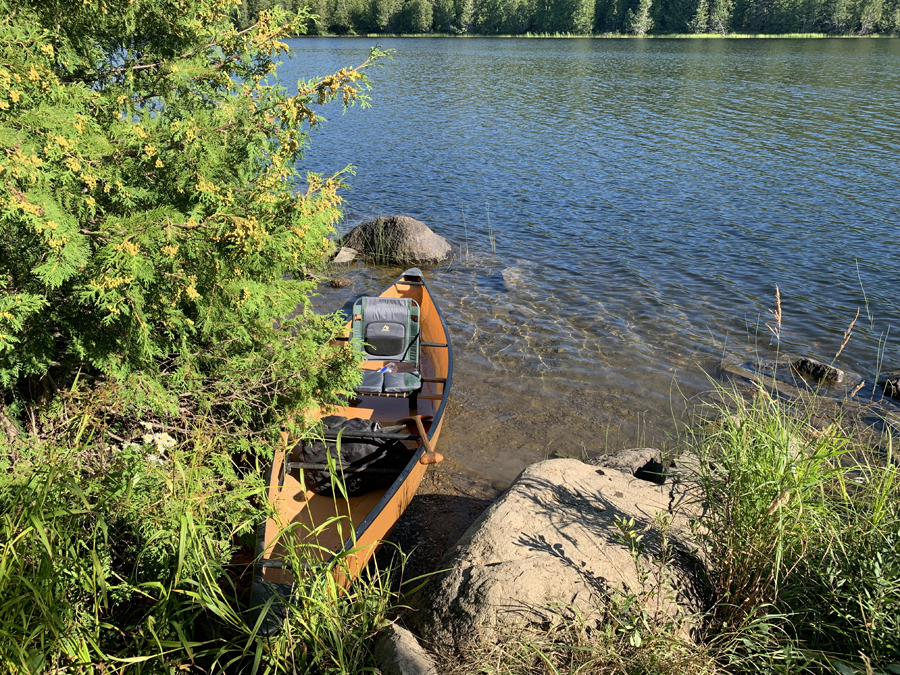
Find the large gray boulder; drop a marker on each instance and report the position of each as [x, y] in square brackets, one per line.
[548, 548]
[398, 240]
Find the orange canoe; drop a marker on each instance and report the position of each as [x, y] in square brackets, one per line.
[402, 329]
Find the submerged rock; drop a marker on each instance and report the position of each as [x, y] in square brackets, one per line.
[890, 384]
[512, 276]
[819, 372]
[398, 240]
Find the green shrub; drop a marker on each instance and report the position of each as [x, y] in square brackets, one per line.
[113, 557]
[154, 334]
[125, 561]
[151, 220]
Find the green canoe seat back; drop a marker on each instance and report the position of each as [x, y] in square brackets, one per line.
[388, 330]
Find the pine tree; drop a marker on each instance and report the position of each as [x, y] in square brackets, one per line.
[841, 16]
[384, 15]
[490, 17]
[415, 17]
[891, 17]
[640, 22]
[443, 16]
[870, 16]
[519, 17]
[464, 11]
[582, 17]
[720, 16]
[700, 22]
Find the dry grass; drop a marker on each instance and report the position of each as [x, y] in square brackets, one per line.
[575, 647]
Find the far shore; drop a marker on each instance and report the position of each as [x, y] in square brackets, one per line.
[612, 36]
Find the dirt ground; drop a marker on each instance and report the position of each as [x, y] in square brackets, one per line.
[449, 500]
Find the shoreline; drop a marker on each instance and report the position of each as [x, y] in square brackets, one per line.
[610, 36]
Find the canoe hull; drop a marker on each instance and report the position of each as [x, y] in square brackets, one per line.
[345, 533]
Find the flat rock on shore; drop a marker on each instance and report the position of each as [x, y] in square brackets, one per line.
[550, 546]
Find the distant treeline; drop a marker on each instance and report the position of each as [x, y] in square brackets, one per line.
[586, 17]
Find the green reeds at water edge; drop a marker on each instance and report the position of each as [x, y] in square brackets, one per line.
[800, 536]
[129, 569]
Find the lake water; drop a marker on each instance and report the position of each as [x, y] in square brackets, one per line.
[625, 210]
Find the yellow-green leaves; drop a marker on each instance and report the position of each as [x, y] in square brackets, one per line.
[148, 189]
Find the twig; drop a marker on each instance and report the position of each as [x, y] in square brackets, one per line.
[847, 334]
[776, 331]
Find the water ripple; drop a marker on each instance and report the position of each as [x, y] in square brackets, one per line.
[644, 199]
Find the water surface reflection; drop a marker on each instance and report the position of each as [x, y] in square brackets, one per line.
[624, 211]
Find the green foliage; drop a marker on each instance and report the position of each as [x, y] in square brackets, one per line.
[382, 14]
[464, 11]
[443, 16]
[700, 22]
[328, 628]
[800, 537]
[417, 16]
[720, 16]
[122, 560]
[105, 555]
[584, 17]
[640, 22]
[153, 337]
[151, 217]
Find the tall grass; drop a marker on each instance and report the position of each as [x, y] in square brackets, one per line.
[801, 536]
[579, 647]
[800, 540]
[122, 563]
[94, 572]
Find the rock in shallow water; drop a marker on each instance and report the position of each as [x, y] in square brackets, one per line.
[890, 383]
[817, 371]
[399, 240]
[344, 256]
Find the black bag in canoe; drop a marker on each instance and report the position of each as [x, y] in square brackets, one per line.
[356, 460]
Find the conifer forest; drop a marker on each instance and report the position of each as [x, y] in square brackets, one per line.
[590, 17]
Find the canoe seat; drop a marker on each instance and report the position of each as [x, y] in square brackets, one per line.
[387, 329]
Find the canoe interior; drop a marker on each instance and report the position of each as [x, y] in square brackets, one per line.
[322, 524]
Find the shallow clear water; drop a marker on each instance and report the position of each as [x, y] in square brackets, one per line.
[625, 210]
